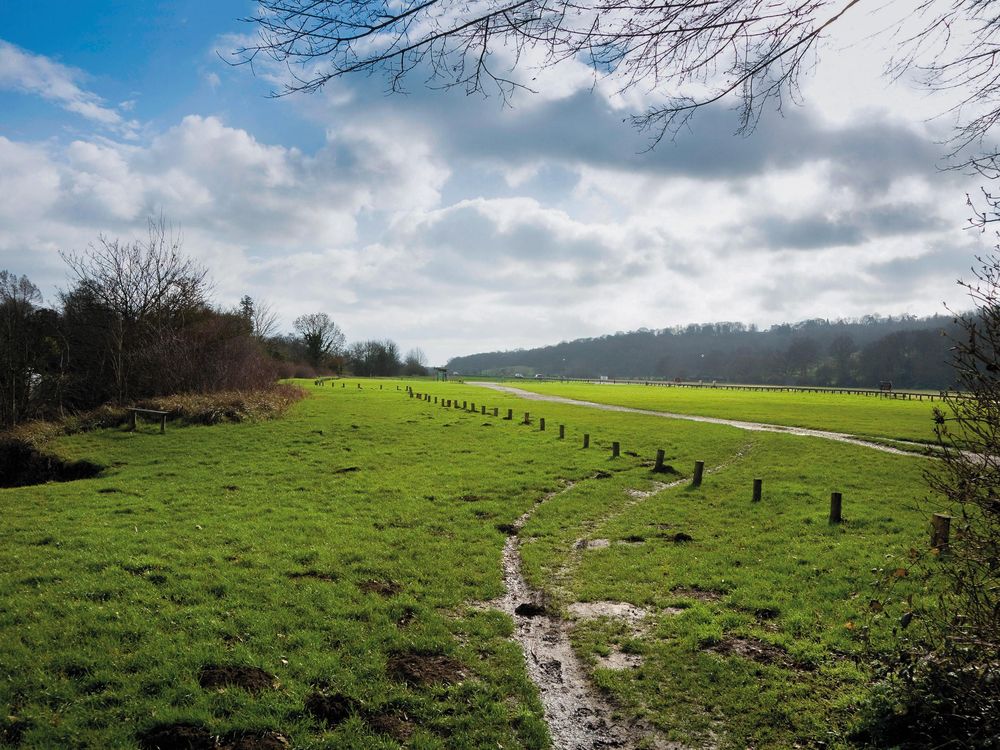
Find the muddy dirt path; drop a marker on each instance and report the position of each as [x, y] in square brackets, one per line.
[578, 718]
[839, 437]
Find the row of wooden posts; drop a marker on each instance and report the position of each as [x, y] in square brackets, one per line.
[940, 523]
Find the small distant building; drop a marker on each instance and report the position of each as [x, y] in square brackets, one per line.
[441, 373]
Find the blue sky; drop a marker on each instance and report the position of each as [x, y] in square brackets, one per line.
[455, 223]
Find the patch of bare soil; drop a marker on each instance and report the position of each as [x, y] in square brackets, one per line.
[266, 740]
[755, 650]
[382, 588]
[655, 488]
[330, 709]
[396, 724]
[251, 679]
[620, 661]
[694, 592]
[180, 736]
[592, 543]
[425, 669]
[614, 610]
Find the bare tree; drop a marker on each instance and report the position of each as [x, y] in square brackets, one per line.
[260, 317]
[682, 54]
[415, 362]
[18, 299]
[320, 335]
[139, 288]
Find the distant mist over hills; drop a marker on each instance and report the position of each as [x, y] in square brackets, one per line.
[909, 351]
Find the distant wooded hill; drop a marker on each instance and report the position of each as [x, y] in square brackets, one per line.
[909, 351]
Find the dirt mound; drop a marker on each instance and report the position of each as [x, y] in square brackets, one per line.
[425, 669]
[396, 724]
[330, 709]
[266, 740]
[666, 469]
[382, 588]
[180, 736]
[753, 649]
[251, 679]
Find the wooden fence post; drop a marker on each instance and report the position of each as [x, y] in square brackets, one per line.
[757, 487]
[483, 406]
[562, 431]
[496, 411]
[940, 532]
[658, 466]
[541, 424]
[527, 418]
[699, 472]
[510, 415]
[836, 500]
[615, 449]
[586, 440]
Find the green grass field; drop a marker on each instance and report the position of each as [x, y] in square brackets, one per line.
[342, 550]
[867, 416]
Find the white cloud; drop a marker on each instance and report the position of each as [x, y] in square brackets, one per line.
[29, 73]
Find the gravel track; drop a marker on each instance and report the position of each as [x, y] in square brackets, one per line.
[839, 437]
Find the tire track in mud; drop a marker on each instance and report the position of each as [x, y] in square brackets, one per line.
[577, 716]
[839, 437]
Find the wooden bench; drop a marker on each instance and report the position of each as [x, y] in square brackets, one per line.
[161, 415]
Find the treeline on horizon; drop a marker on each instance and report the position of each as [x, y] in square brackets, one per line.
[908, 351]
[137, 321]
